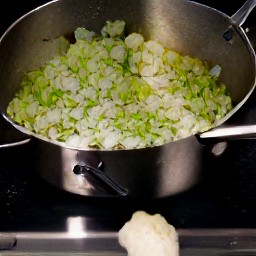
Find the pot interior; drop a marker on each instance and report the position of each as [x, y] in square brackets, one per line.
[184, 26]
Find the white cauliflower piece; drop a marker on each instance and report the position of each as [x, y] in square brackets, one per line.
[113, 29]
[134, 41]
[118, 53]
[149, 235]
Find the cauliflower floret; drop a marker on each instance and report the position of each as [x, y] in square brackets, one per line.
[149, 235]
[134, 41]
[113, 29]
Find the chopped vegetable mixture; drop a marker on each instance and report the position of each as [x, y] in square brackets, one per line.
[112, 91]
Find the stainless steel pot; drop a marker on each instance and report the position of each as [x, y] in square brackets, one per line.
[187, 27]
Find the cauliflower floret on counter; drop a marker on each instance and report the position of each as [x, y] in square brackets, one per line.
[149, 235]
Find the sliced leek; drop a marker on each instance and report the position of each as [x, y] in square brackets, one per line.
[109, 91]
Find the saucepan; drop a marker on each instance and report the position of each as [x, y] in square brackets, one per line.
[187, 27]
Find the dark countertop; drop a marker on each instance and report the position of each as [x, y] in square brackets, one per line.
[225, 198]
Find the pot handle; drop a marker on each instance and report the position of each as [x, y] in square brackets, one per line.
[15, 143]
[104, 180]
[241, 15]
[10, 136]
[231, 132]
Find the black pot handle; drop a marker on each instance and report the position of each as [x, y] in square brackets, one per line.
[97, 172]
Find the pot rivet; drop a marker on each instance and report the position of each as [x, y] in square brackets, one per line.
[228, 35]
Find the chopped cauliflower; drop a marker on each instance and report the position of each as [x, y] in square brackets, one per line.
[149, 235]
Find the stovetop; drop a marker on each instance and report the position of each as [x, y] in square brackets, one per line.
[225, 198]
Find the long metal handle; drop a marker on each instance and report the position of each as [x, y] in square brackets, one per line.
[14, 144]
[236, 132]
[241, 15]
